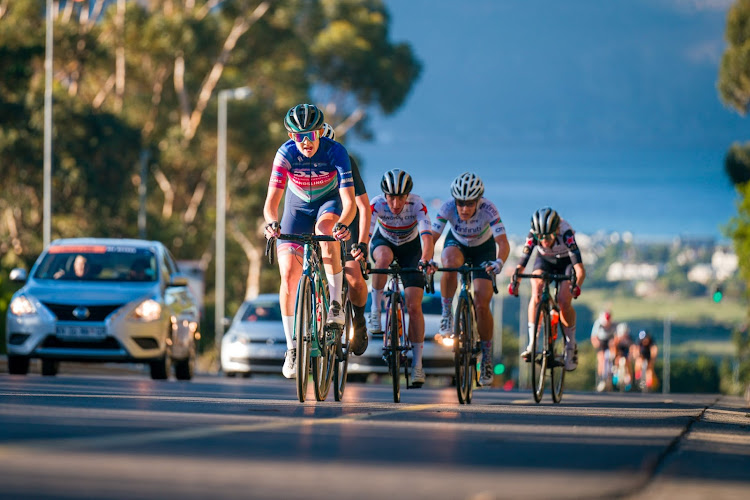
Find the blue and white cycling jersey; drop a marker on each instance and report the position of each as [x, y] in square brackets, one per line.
[483, 225]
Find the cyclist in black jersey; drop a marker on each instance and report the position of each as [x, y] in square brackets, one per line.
[357, 248]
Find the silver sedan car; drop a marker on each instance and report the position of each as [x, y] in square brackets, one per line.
[100, 299]
[255, 341]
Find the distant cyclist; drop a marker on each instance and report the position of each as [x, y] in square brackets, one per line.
[645, 352]
[477, 234]
[602, 334]
[320, 199]
[557, 253]
[403, 234]
[621, 345]
[357, 251]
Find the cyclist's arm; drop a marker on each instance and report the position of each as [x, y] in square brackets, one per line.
[580, 273]
[271, 207]
[503, 247]
[428, 246]
[348, 205]
[365, 217]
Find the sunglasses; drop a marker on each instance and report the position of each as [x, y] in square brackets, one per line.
[311, 136]
[462, 203]
[545, 237]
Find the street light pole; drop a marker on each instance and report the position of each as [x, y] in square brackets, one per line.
[221, 206]
[47, 172]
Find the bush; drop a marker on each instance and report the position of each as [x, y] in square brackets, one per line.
[692, 376]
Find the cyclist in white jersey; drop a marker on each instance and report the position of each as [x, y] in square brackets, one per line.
[557, 253]
[403, 224]
[477, 235]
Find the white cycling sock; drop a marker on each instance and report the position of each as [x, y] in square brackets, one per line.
[570, 334]
[531, 333]
[288, 322]
[416, 350]
[335, 285]
[377, 300]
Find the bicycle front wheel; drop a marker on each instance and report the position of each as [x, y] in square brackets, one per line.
[303, 330]
[557, 361]
[394, 352]
[463, 352]
[539, 351]
[342, 353]
[323, 363]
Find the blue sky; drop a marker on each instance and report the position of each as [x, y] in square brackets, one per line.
[606, 110]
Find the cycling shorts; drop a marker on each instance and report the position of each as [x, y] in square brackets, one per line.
[407, 255]
[474, 256]
[300, 216]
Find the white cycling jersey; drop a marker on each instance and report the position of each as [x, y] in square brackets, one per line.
[401, 228]
[483, 225]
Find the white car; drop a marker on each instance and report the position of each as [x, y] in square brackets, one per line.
[255, 341]
[437, 355]
[103, 299]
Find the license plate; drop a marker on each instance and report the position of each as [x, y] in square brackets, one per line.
[81, 332]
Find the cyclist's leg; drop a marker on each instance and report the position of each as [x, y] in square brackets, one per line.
[328, 215]
[357, 292]
[568, 318]
[382, 254]
[414, 296]
[452, 256]
[536, 293]
[485, 324]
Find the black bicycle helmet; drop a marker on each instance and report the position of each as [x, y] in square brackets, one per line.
[544, 221]
[467, 187]
[396, 182]
[304, 118]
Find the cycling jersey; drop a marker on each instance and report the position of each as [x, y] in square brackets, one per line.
[401, 228]
[311, 179]
[603, 333]
[482, 226]
[564, 247]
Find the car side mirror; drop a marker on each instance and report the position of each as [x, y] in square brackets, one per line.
[178, 280]
[19, 275]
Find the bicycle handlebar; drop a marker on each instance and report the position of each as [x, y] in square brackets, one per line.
[395, 269]
[464, 269]
[299, 238]
[543, 276]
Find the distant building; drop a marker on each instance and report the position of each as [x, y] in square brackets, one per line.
[632, 271]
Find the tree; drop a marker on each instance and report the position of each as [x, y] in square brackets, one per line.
[734, 71]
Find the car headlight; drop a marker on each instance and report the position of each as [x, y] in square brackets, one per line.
[148, 310]
[445, 341]
[21, 306]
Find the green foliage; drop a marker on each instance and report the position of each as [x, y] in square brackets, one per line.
[737, 163]
[734, 72]
[692, 376]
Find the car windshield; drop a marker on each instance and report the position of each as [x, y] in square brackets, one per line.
[261, 311]
[98, 263]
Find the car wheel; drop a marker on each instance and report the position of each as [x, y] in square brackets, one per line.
[246, 375]
[160, 368]
[18, 365]
[230, 374]
[183, 368]
[50, 367]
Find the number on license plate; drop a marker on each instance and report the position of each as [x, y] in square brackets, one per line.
[81, 332]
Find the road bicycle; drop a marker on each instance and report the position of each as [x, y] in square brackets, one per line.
[548, 344]
[466, 341]
[396, 344]
[320, 347]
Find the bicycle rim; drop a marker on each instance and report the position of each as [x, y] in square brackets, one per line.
[395, 353]
[303, 326]
[557, 362]
[539, 346]
[323, 364]
[342, 353]
[462, 350]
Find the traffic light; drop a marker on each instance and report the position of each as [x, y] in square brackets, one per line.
[718, 293]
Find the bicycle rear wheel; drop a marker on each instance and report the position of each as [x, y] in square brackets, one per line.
[539, 352]
[303, 331]
[394, 354]
[342, 353]
[557, 362]
[323, 364]
[462, 352]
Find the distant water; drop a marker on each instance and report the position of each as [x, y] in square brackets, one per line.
[652, 193]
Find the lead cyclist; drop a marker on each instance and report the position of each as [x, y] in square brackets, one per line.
[320, 199]
[557, 252]
[477, 233]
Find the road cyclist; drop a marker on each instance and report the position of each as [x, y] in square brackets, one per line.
[645, 356]
[622, 367]
[557, 253]
[319, 199]
[402, 234]
[476, 237]
[602, 333]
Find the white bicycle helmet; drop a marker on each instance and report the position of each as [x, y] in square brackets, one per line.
[467, 187]
[329, 132]
[544, 221]
[396, 182]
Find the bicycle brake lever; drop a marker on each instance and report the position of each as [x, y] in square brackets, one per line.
[271, 250]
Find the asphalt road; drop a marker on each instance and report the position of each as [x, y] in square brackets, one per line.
[125, 436]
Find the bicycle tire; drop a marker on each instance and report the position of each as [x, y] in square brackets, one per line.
[341, 367]
[462, 349]
[394, 354]
[303, 326]
[538, 352]
[557, 363]
[323, 364]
